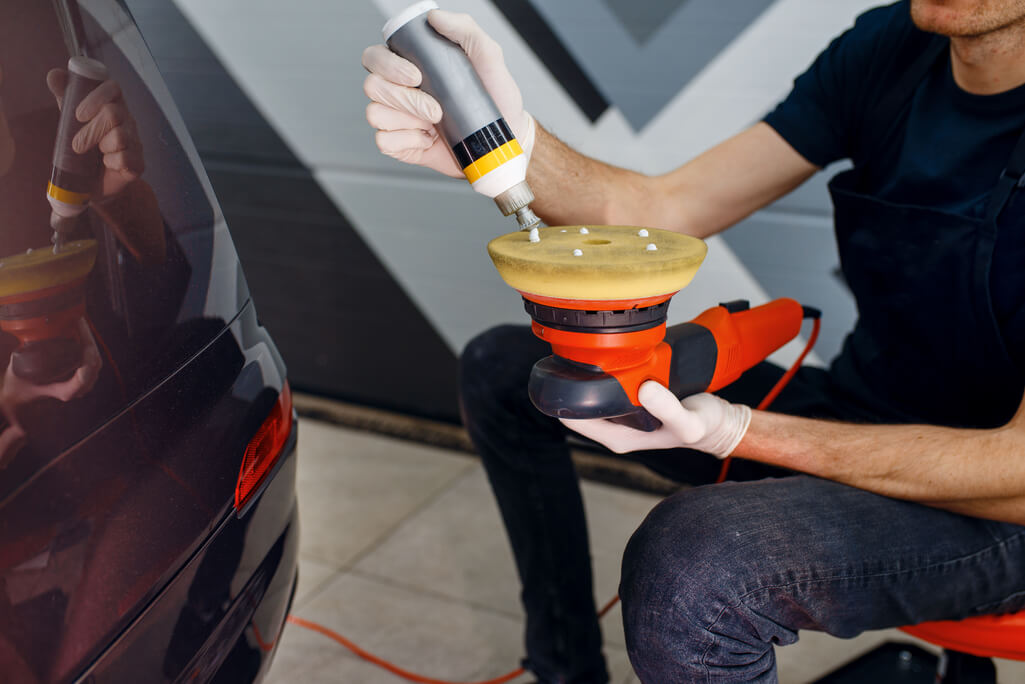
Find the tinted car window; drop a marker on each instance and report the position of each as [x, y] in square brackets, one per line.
[148, 257]
[123, 409]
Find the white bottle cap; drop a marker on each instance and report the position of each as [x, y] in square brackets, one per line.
[88, 68]
[406, 16]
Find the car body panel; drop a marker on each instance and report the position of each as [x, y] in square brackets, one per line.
[107, 525]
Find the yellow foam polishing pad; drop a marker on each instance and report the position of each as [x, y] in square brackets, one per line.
[597, 262]
[38, 269]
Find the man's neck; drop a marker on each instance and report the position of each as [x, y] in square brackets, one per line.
[991, 63]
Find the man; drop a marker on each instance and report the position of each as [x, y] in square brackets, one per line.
[926, 97]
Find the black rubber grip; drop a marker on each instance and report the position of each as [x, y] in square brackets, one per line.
[695, 355]
[47, 361]
[562, 388]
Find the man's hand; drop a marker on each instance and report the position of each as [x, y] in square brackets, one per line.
[405, 116]
[108, 126]
[123, 200]
[702, 421]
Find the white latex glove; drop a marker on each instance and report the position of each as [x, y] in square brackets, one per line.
[404, 115]
[701, 421]
[110, 127]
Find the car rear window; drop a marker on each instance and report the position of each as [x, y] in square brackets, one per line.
[144, 254]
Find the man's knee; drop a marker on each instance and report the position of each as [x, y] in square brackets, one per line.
[686, 571]
[671, 585]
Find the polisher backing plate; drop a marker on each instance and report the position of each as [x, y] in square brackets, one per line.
[600, 263]
[40, 268]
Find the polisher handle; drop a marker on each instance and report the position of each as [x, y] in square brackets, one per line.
[702, 355]
[741, 337]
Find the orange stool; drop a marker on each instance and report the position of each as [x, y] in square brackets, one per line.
[968, 645]
[987, 636]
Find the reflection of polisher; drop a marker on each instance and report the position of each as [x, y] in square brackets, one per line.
[599, 295]
[42, 298]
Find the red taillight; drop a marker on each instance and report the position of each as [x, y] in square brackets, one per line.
[264, 448]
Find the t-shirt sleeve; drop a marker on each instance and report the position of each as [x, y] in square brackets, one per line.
[819, 117]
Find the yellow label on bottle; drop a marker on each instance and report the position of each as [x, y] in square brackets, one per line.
[492, 160]
[66, 196]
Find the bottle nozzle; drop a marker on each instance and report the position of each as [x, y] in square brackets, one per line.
[516, 200]
[527, 219]
[62, 226]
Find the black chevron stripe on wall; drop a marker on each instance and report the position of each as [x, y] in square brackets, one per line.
[344, 326]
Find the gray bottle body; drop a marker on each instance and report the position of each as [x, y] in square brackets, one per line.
[74, 175]
[448, 76]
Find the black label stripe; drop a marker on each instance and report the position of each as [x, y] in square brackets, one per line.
[475, 146]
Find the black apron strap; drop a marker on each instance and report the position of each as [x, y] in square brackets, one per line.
[885, 114]
[1011, 178]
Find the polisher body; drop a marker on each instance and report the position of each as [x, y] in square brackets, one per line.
[42, 300]
[596, 370]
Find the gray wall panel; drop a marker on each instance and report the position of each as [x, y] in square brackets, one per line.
[640, 78]
[689, 74]
[642, 18]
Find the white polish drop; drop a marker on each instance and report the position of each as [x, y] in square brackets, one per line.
[651, 247]
[584, 231]
[643, 232]
[534, 235]
[578, 252]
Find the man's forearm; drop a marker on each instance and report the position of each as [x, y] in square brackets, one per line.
[572, 188]
[701, 198]
[134, 216]
[975, 472]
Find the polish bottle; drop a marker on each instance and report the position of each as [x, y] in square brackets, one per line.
[483, 144]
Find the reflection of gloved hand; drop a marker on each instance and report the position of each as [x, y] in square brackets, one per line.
[405, 115]
[702, 421]
[108, 126]
[17, 390]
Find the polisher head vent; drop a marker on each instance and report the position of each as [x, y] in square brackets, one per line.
[601, 321]
[49, 301]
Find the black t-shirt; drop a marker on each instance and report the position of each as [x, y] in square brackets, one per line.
[945, 151]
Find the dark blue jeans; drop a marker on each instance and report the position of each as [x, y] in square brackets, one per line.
[716, 575]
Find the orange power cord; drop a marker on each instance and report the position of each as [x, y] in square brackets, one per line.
[420, 679]
[406, 674]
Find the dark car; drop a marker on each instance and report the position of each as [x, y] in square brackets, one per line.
[148, 520]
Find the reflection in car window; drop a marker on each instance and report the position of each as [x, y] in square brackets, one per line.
[107, 255]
